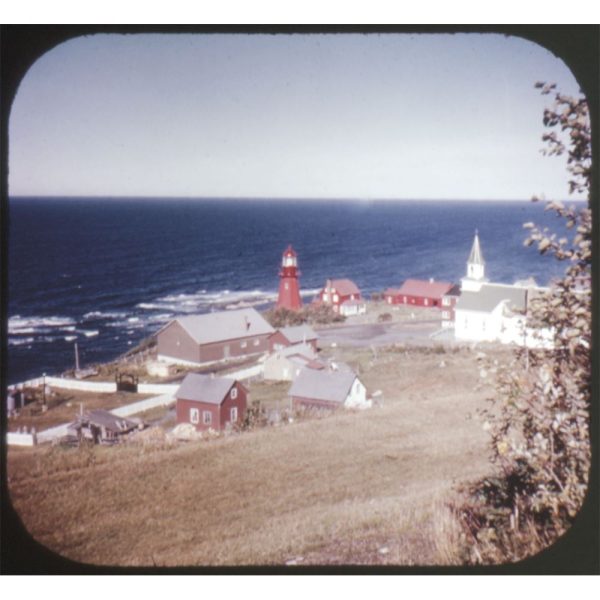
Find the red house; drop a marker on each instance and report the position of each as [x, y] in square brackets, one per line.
[209, 402]
[343, 296]
[289, 287]
[416, 292]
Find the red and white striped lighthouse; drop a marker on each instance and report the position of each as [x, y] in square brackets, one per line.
[289, 287]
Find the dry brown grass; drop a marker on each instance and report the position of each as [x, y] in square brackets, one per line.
[354, 488]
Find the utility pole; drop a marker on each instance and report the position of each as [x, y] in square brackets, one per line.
[76, 358]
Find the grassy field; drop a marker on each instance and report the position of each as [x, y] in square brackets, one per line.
[353, 488]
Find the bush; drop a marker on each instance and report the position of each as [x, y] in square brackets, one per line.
[384, 317]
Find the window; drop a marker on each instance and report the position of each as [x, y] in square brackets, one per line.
[233, 415]
[233, 393]
[206, 417]
[325, 297]
[243, 344]
[256, 342]
[446, 301]
[404, 299]
[426, 302]
[194, 415]
[286, 285]
[336, 298]
[445, 314]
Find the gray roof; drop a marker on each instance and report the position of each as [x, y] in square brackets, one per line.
[476, 256]
[225, 325]
[332, 386]
[204, 388]
[299, 333]
[490, 295]
[104, 418]
[303, 349]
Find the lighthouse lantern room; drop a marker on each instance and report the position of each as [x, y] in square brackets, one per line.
[289, 287]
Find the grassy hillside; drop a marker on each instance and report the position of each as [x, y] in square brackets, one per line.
[353, 488]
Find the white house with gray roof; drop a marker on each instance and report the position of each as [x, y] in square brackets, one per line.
[286, 363]
[213, 337]
[328, 389]
[489, 312]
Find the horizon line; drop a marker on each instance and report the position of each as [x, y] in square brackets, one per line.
[284, 198]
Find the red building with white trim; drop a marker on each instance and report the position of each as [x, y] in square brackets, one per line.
[416, 292]
[344, 296]
[289, 286]
[209, 402]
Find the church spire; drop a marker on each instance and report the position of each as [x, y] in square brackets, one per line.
[475, 268]
[476, 257]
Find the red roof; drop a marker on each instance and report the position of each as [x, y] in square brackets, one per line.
[344, 287]
[426, 289]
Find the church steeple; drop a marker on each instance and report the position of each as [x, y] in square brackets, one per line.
[475, 267]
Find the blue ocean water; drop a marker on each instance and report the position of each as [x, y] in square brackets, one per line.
[106, 273]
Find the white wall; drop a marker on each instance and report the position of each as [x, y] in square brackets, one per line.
[20, 439]
[357, 398]
[477, 326]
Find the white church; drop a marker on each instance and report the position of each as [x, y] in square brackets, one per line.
[495, 312]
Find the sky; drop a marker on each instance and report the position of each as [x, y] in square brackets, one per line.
[366, 116]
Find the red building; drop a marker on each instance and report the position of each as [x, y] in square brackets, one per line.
[291, 336]
[416, 292]
[343, 296]
[213, 337]
[289, 287]
[209, 402]
[449, 300]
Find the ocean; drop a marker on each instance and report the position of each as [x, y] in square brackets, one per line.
[106, 273]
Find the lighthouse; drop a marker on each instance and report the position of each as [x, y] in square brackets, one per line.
[289, 288]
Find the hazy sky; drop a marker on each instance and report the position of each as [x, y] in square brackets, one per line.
[355, 116]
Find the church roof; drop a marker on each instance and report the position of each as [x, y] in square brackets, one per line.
[490, 295]
[476, 257]
[428, 289]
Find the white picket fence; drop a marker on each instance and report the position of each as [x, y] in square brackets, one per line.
[143, 405]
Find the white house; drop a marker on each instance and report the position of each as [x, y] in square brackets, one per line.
[285, 364]
[488, 312]
[328, 389]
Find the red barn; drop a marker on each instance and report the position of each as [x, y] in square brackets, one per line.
[289, 287]
[343, 296]
[209, 402]
[416, 292]
[212, 337]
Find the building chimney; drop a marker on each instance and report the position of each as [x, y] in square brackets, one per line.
[247, 323]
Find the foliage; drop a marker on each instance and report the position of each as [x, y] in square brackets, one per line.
[539, 421]
[320, 314]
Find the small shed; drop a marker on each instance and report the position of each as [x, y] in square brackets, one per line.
[101, 426]
[328, 389]
[290, 336]
[209, 402]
